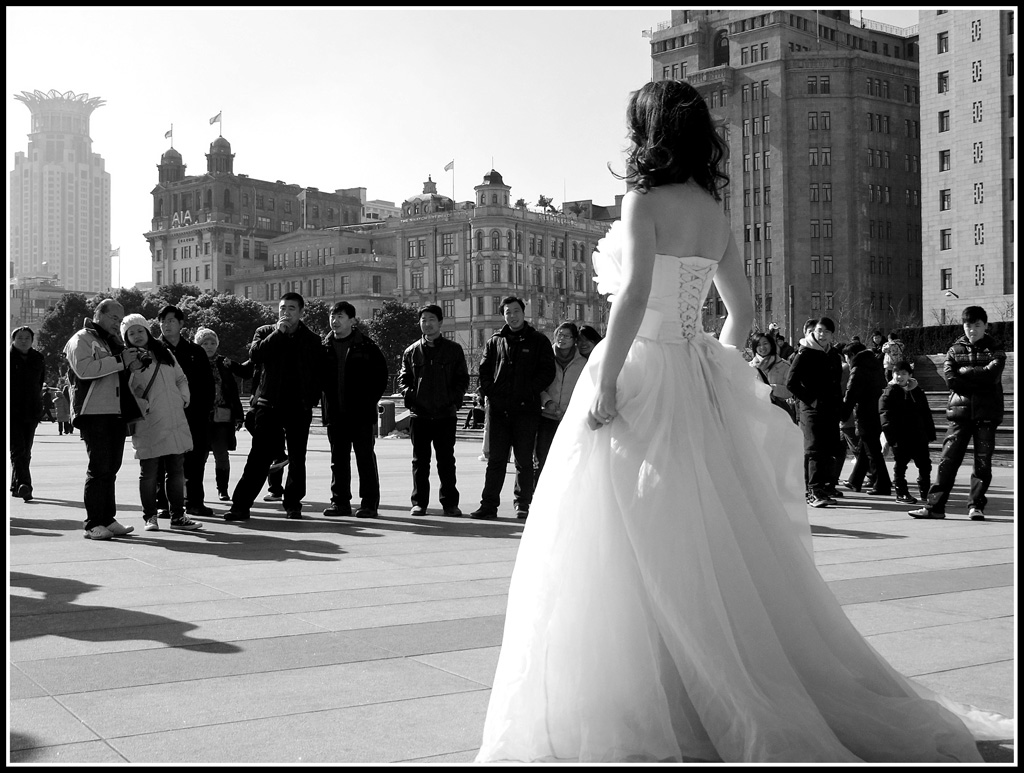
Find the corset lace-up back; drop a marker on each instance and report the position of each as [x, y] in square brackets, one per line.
[679, 288]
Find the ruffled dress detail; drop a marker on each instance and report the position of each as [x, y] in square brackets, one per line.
[665, 604]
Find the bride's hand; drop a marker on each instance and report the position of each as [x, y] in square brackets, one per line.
[603, 409]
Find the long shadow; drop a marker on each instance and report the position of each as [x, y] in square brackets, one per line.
[34, 617]
[828, 531]
[996, 751]
[243, 545]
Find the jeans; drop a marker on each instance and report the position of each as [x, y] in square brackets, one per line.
[168, 473]
[953, 449]
[347, 435]
[23, 433]
[277, 431]
[517, 431]
[104, 436]
[438, 432]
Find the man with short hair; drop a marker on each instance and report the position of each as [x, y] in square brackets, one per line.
[289, 387]
[863, 392]
[517, 365]
[355, 377]
[26, 372]
[814, 380]
[433, 380]
[101, 406]
[195, 364]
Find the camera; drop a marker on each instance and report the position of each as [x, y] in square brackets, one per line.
[144, 357]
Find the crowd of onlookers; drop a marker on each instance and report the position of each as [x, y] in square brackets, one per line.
[178, 400]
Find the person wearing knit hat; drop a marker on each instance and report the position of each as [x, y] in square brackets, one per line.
[162, 437]
[226, 415]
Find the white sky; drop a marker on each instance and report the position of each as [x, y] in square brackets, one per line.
[346, 97]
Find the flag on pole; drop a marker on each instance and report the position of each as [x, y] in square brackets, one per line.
[115, 253]
[169, 133]
[450, 165]
[215, 119]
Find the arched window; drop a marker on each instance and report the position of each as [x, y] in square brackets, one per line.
[416, 209]
[495, 240]
[160, 207]
[209, 199]
[227, 198]
[483, 199]
[574, 251]
[508, 239]
[721, 51]
[479, 240]
[494, 198]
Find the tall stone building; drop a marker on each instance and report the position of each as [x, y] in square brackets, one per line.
[467, 256]
[207, 227]
[60, 196]
[967, 152]
[821, 117]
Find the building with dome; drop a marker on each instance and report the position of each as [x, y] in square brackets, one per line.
[207, 229]
[60, 197]
[467, 256]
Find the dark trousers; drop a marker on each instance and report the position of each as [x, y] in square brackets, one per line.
[516, 431]
[546, 429]
[167, 475]
[104, 437]
[821, 447]
[438, 432]
[905, 452]
[222, 435]
[870, 461]
[23, 434]
[958, 435]
[276, 432]
[194, 466]
[345, 436]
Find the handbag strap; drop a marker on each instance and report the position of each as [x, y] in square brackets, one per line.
[151, 380]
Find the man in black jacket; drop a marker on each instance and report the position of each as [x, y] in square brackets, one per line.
[814, 380]
[291, 361]
[196, 364]
[26, 371]
[433, 380]
[865, 387]
[974, 373]
[355, 377]
[518, 364]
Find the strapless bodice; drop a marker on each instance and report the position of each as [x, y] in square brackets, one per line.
[679, 288]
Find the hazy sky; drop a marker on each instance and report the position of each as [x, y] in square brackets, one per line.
[378, 98]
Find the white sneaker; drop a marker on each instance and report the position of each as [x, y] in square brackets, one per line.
[119, 530]
[976, 514]
[273, 498]
[152, 524]
[98, 532]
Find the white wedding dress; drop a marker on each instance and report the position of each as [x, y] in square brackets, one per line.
[665, 604]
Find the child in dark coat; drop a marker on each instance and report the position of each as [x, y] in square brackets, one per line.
[909, 427]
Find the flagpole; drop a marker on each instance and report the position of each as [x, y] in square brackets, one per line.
[172, 135]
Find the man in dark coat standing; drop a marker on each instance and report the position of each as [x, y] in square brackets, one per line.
[518, 364]
[814, 380]
[290, 382]
[355, 377]
[863, 391]
[27, 368]
[433, 380]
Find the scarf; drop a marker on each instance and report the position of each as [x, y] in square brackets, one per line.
[811, 342]
[563, 360]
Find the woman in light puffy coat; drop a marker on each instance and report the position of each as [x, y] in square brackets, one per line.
[161, 389]
[774, 371]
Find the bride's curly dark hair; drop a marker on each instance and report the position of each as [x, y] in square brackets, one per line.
[673, 139]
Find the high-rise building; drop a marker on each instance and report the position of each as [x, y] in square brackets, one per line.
[60, 196]
[967, 160]
[207, 227]
[821, 117]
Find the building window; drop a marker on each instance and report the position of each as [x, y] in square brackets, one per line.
[944, 160]
[826, 156]
[815, 301]
[812, 157]
[979, 274]
[946, 239]
[815, 264]
[943, 120]
[944, 82]
[979, 233]
[448, 276]
[826, 121]
[815, 193]
[979, 193]
[416, 280]
[976, 112]
[812, 122]
[946, 279]
[978, 152]
[945, 199]
[495, 271]
[942, 42]
[263, 222]
[976, 30]
[826, 84]
[815, 229]
[812, 84]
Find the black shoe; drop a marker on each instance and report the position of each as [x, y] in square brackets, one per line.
[223, 496]
[484, 515]
[453, 512]
[876, 492]
[202, 510]
[418, 510]
[25, 492]
[235, 515]
[366, 512]
[294, 515]
[906, 499]
[847, 485]
[163, 514]
[834, 492]
[522, 514]
[335, 511]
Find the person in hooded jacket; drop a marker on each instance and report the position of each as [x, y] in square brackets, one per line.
[569, 364]
[867, 382]
[909, 427]
[26, 370]
[974, 374]
[814, 380]
[163, 437]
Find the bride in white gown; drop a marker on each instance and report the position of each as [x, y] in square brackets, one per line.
[665, 604]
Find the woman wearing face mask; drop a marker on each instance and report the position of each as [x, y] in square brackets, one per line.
[162, 436]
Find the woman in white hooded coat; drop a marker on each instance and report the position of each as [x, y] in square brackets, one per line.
[162, 437]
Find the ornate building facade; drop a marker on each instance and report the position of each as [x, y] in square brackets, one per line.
[822, 120]
[60, 196]
[206, 228]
